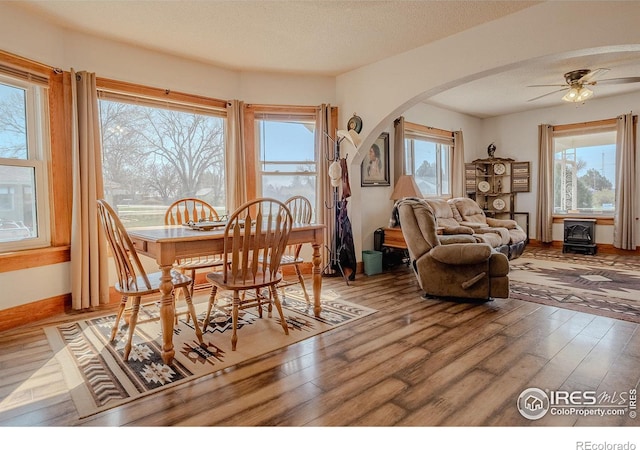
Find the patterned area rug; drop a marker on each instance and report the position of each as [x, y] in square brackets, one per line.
[606, 285]
[99, 379]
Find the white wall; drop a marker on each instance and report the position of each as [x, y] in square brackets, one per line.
[516, 136]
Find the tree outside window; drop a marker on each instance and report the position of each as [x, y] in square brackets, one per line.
[153, 156]
[584, 173]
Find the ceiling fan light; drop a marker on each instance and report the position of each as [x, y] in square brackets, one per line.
[577, 94]
[571, 95]
[585, 93]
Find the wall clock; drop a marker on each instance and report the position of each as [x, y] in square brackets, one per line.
[499, 169]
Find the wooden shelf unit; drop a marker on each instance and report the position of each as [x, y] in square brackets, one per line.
[490, 182]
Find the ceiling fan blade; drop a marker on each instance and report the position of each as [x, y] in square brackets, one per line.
[593, 75]
[548, 93]
[547, 85]
[619, 80]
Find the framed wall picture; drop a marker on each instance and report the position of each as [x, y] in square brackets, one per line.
[375, 166]
[355, 123]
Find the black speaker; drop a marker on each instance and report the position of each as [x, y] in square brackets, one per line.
[378, 239]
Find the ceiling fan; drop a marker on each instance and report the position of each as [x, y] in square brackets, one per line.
[576, 83]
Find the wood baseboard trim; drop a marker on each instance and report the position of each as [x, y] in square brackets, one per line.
[33, 312]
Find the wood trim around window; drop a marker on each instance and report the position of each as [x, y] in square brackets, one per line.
[27, 259]
[250, 113]
[158, 94]
[25, 64]
[595, 124]
[59, 171]
[250, 152]
[416, 127]
[582, 125]
[599, 220]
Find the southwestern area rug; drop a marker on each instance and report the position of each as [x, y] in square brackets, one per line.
[606, 285]
[98, 378]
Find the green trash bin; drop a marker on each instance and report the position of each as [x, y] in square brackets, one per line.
[372, 262]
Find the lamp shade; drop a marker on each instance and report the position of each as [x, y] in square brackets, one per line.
[405, 187]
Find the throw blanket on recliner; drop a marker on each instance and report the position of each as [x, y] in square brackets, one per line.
[395, 215]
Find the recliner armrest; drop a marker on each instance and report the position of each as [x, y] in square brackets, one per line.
[474, 225]
[461, 229]
[502, 223]
[461, 254]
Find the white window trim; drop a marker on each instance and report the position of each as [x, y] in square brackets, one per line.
[38, 143]
[574, 130]
[280, 117]
[411, 158]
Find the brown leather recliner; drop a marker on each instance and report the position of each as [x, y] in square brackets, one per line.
[456, 270]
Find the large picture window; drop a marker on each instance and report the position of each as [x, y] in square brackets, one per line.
[157, 152]
[585, 171]
[24, 151]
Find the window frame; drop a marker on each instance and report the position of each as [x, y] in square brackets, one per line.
[412, 132]
[575, 129]
[38, 158]
[124, 92]
[283, 113]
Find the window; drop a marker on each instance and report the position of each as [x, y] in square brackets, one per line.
[24, 151]
[287, 156]
[155, 152]
[428, 158]
[584, 171]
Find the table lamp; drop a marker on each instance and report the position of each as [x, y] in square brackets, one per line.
[405, 187]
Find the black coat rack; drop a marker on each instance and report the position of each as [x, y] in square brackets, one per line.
[338, 208]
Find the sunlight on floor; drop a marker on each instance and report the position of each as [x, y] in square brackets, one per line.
[42, 383]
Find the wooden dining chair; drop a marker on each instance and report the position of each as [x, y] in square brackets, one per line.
[133, 281]
[301, 212]
[255, 238]
[184, 211]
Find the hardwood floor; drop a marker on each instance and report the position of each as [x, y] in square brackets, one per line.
[416, 362]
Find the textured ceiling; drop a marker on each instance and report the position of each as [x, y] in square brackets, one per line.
[328, 38]
[310, 37]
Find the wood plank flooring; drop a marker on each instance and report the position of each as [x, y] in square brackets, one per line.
[416, 362]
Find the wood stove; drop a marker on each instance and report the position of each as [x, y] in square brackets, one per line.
[580, 236]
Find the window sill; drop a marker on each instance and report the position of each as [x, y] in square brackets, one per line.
[600, 220]
[27, 259]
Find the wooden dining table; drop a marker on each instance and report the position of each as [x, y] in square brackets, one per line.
[167, 243]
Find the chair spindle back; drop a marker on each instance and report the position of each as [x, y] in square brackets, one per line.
[189, 209]
[125, 257]
[255, 238]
